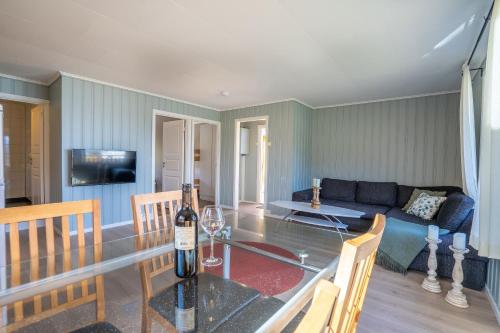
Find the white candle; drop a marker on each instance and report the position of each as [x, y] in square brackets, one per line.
[316, 182]
[433, 232]
[459, 241]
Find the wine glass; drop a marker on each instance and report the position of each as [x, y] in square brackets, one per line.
[212, 221]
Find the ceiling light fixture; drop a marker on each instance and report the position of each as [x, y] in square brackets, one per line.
[224, 93]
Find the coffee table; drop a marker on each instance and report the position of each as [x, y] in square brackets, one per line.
[329, 214]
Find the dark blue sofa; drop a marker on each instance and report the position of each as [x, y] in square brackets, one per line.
[388, 198]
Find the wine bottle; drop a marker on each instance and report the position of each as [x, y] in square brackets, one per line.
[186, 237]
[186, 305]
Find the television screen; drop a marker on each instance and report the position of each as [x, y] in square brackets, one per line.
[97, 167]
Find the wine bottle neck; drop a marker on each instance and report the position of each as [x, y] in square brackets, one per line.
[186, 199]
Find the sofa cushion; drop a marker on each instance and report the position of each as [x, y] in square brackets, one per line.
[426, 206]
[416, 194]
[338, 189]
[377, 193]
[399, 214]
[405, 192]
[369, 210]
[454, 211]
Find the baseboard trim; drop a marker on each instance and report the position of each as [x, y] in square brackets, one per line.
[494, 306]
[104, 227]
[226, 206]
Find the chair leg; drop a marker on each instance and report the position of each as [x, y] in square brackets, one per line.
[100, 302]
[146, 319]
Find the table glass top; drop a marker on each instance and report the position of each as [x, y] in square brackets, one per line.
[133, 286]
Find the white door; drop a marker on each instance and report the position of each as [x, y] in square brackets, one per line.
[36, 159]
[173, 155]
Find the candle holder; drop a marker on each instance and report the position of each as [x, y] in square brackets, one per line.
[455, 296]
[315, 203]
[431, 283]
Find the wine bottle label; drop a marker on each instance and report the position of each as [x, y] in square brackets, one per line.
[184, 319]
[185, 238]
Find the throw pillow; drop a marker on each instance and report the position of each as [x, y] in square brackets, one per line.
[426, 206]
[416, 193]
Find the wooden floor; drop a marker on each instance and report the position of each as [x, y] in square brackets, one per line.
[397, 303]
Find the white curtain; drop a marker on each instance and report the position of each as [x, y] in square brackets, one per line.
[489, 158]
[468, 149]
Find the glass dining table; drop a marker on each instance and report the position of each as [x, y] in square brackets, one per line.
[268, 275]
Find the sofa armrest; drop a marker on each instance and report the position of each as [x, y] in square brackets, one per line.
[303, 196]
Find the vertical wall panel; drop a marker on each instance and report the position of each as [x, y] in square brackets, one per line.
[55, 135]
[413, 141]
[97, 116]
[23, 88]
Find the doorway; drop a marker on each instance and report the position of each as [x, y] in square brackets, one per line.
[251, 151]
[186, 150]
[23, 157]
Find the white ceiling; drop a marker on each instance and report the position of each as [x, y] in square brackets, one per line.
[321, 52]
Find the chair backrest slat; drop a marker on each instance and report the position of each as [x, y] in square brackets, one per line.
[39, 216]
[49, 235]
[318, 316]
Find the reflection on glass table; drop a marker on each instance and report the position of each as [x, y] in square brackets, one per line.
[259, 278]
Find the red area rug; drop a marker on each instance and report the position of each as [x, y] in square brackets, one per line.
[267, 275]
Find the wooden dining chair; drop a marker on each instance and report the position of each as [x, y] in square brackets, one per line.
[43, 250]
[154, 227]
[351, 282]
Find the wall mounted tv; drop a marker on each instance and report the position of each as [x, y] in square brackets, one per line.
[100, 167]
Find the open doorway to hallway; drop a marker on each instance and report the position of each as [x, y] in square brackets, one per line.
[23, 157]
[186, 150]
[251, 162]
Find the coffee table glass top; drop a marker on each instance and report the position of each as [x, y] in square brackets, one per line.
[323, 209]
[266, 262]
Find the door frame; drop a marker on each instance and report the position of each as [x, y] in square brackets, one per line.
[236, 170]
[45, 151]
[46, 179]
[189, 145]
[259, 161]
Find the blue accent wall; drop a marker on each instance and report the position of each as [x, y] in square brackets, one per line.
[22, 88]
[99, 116]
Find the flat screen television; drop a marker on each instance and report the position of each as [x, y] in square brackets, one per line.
[99, 167]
